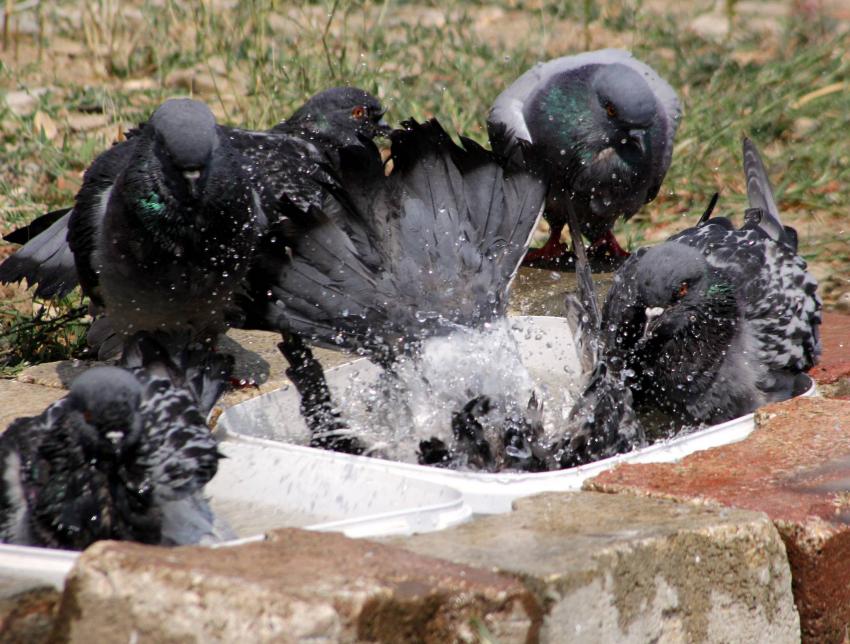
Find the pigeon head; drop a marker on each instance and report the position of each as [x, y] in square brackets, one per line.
[107, 401]
[186, 137]
[341, 113]
[599, 114]
[678, 289]
[624, 105]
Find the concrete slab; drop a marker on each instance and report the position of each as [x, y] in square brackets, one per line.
[614, 568]
[795, 467]
[298, 587]
[21, 399]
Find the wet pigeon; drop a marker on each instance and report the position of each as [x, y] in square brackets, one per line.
[605, 123]
[124, 455]
[413, 271]
[281, 159]
[162, 231]
[716, 321]
[275, 163]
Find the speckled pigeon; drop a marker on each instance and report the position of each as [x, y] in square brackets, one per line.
[124, 455]
[413, 269]
[716, 320]
[605, 123]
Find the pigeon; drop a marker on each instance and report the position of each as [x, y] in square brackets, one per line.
[274, 163]
[605, 123]
[162, 231]
[717, 320]
[120, 457]
[412, 270]
[281, 158]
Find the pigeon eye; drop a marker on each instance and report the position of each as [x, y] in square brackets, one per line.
[610, 110]
[358, 112]
[683, 290]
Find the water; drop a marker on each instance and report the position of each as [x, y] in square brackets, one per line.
[393, 412]
[250, 517]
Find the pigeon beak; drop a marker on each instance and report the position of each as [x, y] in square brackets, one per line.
[192, 177]
[638, 137]
[652, 315]
[381, 126]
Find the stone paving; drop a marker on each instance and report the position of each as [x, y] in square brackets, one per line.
[738, 530]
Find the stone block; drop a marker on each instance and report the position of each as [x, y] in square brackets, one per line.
[20, 399]
[795, 467]
[298, 586]
[610, 568]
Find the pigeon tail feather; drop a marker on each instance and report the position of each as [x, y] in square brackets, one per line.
[45, 260]
[760, 195]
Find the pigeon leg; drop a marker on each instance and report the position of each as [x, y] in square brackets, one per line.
[328, 431]
[607, 249]
[554, 250]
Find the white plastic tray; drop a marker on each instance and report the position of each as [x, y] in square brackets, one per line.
[258, 489]
[548, 351]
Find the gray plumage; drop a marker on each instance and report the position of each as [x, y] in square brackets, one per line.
[717, 320]
[161, 233]
[281, 165]
[603, 421]
[391, 260]
[605, 123]
[120, 457]
[392, 265]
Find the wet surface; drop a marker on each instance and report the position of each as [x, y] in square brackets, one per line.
[538, 291]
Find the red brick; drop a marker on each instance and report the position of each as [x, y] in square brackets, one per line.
[835, 357]
[795, 467]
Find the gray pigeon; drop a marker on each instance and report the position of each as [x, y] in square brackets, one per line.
[122, 456]
[605, 123]
[716, 321]
[413, 271]
[276, 164]
[162, 231]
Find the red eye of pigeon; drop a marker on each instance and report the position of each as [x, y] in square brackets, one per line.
[683, 290]
[358, 112]
[610, 110]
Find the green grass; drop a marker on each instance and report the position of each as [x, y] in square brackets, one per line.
[434, 59]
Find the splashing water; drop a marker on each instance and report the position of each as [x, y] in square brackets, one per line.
[417, 399]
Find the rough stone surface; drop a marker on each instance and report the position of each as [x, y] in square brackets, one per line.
[795, 467]
[612, 568]
[19, 399]
[28, 616]
[298, 586]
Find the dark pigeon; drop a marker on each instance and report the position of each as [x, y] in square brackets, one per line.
[716, 321]
[413, 266]
[283, 159]
[124, 456]
[276, 163]
[605, 123]
[162, 231]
